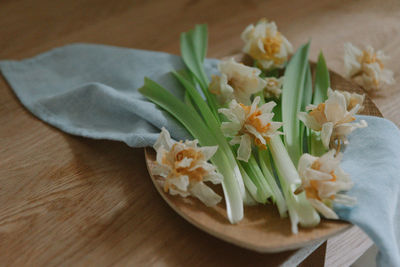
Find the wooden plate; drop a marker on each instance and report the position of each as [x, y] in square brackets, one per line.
[261, 229]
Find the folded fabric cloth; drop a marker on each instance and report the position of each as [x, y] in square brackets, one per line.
[91, 91]
[373, 160]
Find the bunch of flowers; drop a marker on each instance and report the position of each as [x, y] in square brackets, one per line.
[256, 125]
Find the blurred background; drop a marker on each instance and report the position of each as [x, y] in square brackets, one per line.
[31, 27]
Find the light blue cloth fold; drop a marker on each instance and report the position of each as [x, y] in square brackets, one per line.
[372, 159]
[91, 91]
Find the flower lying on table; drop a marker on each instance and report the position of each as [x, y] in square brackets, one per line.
[184, 168]
[248, 125]
[335, 117]
[265, 44]
[367, 64]
[322, 179]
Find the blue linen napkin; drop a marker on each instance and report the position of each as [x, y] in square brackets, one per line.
[372, 159]
[91, 91]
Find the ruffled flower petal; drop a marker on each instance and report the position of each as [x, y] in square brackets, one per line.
[335, 107]
[214, 177]
[326, 133]
[352, 56]
[345, 200]
[164, 140]
[323, 209]
[352, 99]
[184, 163]
[309, 121]
[180, 183]
[220, 87]
[244, 150]
[205, 194]
[162, 170]
[208, 151]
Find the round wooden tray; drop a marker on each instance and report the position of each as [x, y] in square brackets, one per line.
[261, 229]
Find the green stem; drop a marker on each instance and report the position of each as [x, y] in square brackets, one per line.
[300, 209]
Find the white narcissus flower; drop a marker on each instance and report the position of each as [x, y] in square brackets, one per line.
[264, 43]
[249, 125]
[322, 180]
[184, 168]
[368, 65]
[273, 87]
[237, 81]
[335, 117]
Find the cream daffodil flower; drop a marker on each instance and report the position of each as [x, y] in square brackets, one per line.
[273, 87]
[184, 168]
[368, 66]
[237, 81]
[264, 43]
[249, 125]
[322, 180]
[335, 117]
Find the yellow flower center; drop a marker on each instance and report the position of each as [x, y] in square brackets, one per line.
[369, 59]
[312, 190]
[316, 165]
[176, 171]
[272, 46]
[254, 121]
[272, 83]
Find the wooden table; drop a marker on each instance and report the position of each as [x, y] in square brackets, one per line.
[67, 200]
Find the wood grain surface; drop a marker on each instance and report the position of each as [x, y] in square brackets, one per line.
[67, 200]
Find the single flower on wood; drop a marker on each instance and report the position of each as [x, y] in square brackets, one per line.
[367, 67]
